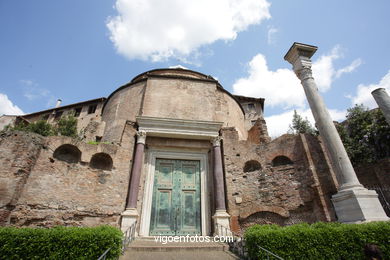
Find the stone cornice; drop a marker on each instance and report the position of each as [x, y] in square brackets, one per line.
[179, 128]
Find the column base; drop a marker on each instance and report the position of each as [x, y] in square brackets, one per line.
[129, 217]
[358, 205]
[221, 223]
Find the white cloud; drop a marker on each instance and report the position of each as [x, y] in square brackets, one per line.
[325, 72]
[279, 124]
[356, 63]
[157, 30]
[282, 87]
[27, 82]
[279, 88]
[33, 92]
[7, 107]
[178, 67]
[363, 92]
[271, 35]
[323, 69]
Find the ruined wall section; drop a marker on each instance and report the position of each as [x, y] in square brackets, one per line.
[258, 133]
[325, 183]
[376, 176]
[19, 152]
[61, 190]
[269, 190]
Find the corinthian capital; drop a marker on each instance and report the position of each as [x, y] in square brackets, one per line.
[141, 137]
[299, 56]
[217, 141]
[304, 73]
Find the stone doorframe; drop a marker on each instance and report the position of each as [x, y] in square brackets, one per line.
[149, 169]
[181, 129]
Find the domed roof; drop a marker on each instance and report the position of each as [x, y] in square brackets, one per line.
[177, 72]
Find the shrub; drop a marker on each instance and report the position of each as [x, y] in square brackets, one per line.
[318, 241]
[59, 242]
[39, 127]
[67, 126]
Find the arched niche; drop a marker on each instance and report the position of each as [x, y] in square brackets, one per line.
[101, 161]
[67, 153]
[251, 166]
[281, 161]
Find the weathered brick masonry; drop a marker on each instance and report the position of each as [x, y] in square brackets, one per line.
[48, 181]
[38, 189]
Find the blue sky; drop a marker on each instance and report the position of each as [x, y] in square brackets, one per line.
[80, 50]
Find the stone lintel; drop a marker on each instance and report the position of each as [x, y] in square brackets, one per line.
[179, 128]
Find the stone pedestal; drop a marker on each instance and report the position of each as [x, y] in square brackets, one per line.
[353, 203]
[221, 218]
[129, 217]
[358, 205]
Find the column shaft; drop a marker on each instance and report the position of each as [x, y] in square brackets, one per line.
[218, 179]
[328, 131]
[136, 172]
[383, 100]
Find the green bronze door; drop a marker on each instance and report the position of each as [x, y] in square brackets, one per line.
[176, 198]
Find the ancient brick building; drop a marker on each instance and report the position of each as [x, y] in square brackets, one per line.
[171, 151]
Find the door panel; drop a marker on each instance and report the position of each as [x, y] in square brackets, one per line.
[176, 198]
[164, 205]
[162, 216]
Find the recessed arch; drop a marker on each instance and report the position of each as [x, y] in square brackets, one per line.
[101, 161]
[251, 166]
[281, 160]
[67, 153]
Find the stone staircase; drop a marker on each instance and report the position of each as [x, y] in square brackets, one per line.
[146, 249]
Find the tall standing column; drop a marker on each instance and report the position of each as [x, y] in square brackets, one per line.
[130, 215]
[353, 203]
[221, 217]
[383, 100]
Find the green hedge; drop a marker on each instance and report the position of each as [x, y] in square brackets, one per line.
[318, 241]
[59, 242]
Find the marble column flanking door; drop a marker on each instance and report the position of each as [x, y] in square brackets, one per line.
[221, 217]
[130, 215]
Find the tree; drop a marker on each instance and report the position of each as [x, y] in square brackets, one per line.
[365, 134]
[67, 126]
[301, 126]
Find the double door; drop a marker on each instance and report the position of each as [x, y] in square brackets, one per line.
[176, 198]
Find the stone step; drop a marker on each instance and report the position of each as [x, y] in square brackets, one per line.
[147, 248]
[181, 255]
[152, 245]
